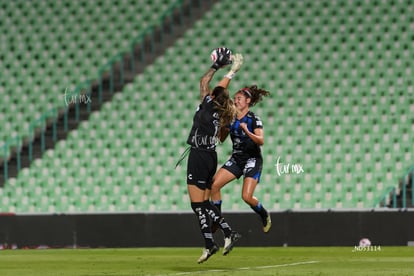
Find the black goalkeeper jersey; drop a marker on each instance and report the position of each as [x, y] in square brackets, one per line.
[205, 127]
[243, 146]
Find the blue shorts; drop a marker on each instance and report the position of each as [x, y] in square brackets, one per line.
[248, 167]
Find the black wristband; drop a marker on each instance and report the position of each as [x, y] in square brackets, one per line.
[215, 66]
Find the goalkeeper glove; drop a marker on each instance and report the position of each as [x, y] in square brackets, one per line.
[237, 60]
[223, 58]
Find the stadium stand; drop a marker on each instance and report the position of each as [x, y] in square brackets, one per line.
[401, 196]
[340, 74]
[51, 46]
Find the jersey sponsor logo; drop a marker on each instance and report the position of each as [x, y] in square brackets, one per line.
[190, 176]
[236, 142]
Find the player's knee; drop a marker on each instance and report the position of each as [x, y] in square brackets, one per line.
[217, 185]
[214, 187]
[247, 197]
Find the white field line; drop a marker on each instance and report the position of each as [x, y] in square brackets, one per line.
[244, 268]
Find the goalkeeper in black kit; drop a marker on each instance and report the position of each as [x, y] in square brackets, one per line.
[215, 110]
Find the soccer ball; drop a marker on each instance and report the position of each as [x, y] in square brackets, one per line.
[364, 242]
[213, 55]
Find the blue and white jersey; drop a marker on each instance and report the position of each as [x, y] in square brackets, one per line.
[242, 144]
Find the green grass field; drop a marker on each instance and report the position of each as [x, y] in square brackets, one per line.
[182, 261]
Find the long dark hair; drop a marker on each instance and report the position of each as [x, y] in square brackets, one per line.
[254, 93]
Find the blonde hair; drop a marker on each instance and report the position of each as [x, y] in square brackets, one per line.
[224, 105]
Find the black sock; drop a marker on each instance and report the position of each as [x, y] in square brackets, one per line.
[217, 203]
[204, 222]
[260, 210]
[216, 217]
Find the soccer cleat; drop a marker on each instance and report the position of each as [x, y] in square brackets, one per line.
[229, 242]
[207, 252]
[267, 223]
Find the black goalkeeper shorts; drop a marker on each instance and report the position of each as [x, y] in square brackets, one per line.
[201, 167]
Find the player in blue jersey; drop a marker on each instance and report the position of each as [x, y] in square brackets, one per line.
[216, 109]
[246, 133]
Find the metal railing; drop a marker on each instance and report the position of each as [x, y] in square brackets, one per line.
[390, 196]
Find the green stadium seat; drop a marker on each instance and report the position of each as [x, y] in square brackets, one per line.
[38, 67]
[326, 111]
